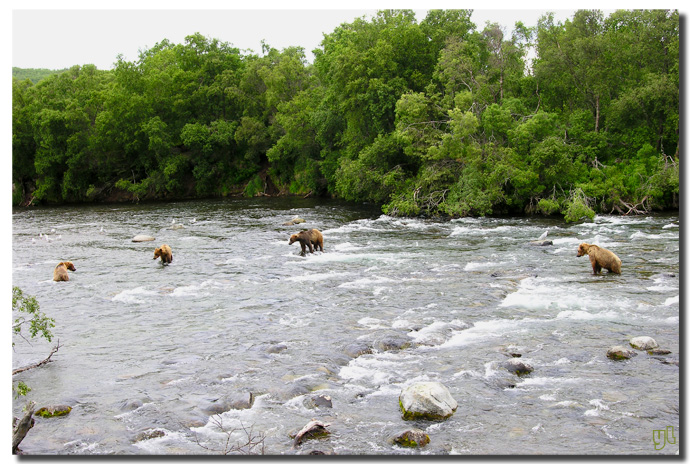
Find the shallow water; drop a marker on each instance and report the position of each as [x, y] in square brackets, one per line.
[151, 347]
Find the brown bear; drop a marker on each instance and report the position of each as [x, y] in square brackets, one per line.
[60, 272]
[306, 238]
[600, 258]
[165, 254]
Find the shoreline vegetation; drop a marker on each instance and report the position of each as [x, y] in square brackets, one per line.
[433, 118]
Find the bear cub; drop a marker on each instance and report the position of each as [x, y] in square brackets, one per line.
[165, 253]
[311, 238]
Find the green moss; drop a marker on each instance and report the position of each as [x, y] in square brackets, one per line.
[53, 411]
[407, 439]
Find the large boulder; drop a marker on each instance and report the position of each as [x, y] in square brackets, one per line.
[643, 343]
[427, 400]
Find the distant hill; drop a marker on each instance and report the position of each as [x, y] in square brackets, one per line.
[33, 73]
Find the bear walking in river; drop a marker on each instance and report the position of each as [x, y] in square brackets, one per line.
[311, 238]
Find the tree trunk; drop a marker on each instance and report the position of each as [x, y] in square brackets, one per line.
[20, 430]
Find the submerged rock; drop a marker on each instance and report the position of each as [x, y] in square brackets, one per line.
[388, 340]
[427, 400]
[53, 411]
[313, 429]
[292, 222]
[659, 352]
[235, 401]
[413, 438]
[277, 348]
[618, 353]
[149, 434]
[143, 238]
[320, 401]
[643, 343]
[131, 405]
[541, 243]
[517, 367]
[357, 349]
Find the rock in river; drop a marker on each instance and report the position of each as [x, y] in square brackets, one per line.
[143, 238]
[53, 411]
[619, 353]
[643, 343]
[413, 438]
[427, 400]
[292, 222]
[313, 429]
[231, 401]
[541, 243]
[518, 367]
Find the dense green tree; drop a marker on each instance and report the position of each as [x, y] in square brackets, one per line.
[436, 117]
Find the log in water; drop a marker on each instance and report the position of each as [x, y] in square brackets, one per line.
[390, 302]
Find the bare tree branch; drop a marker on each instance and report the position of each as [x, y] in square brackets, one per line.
[45, 361]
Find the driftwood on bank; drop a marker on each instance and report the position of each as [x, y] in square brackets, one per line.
[45, 361]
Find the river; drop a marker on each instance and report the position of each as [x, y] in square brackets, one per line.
[152, 356]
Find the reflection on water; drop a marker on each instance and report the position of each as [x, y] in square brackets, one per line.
[390, 302]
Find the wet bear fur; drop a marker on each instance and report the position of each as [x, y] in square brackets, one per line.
[600, 258]
[60, 272]
[311, 239]
[165, 254]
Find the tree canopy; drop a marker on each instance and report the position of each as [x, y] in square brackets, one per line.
[432, 118]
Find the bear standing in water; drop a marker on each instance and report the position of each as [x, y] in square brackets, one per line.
[60, 272]
[311, 238]
[165, 254]
[600, 258]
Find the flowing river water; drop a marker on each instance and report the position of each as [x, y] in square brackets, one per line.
[153, 356]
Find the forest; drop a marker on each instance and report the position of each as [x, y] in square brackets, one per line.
[433, 118]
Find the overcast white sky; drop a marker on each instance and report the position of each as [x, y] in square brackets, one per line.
[58, 35]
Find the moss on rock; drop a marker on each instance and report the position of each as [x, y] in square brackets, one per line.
[53, 411]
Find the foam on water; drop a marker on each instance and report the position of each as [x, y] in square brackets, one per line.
[472, 266]
[483, 331]
[138, 295]
[646, 236]
[547, 292]
[599, 406]
[162, 444]
[437, 332]
[372, 370]
[368, 282]
[372, 323]
[318, 277]
[581, 315]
